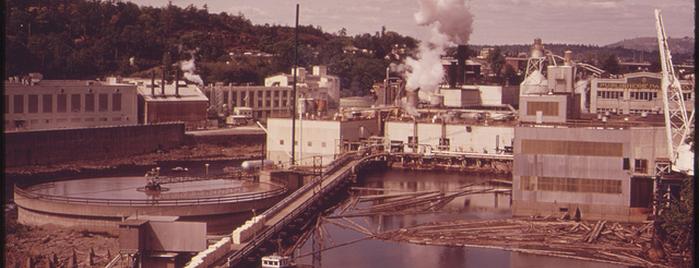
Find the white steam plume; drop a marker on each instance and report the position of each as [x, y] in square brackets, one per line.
[450, 22]
[188, 69]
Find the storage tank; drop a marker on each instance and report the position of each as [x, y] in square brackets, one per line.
[412, 98]
[436, 100]
[255, 164]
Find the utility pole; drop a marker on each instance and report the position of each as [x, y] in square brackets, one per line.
[293, 99]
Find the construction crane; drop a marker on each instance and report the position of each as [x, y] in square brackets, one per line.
[678, 124]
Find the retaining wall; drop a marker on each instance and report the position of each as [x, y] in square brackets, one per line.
[61, 145]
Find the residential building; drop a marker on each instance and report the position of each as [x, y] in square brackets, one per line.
[35, 104]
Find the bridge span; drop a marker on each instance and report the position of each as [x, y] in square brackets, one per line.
[242, 247]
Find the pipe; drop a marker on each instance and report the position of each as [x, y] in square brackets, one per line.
[152, 83]
[293, 99]
[162, 83]
[177, 82]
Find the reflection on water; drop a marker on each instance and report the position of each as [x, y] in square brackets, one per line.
[379, 253]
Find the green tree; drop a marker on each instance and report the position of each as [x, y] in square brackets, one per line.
[496, 61]
[611, 64]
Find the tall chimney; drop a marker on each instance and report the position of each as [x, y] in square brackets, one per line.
[461, 55]
[177, 82]
[568, 56]
[152, 83]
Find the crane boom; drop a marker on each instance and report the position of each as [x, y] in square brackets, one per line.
[677, 123]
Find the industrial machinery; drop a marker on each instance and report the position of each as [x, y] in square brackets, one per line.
[678, 125]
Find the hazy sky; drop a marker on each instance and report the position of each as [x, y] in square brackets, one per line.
[495, 21]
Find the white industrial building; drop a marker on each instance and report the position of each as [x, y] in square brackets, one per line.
[320, 138]
[634, 93]
[453, 137]
[263, 100]
[604, 171]
[472, 95]
[34, 104]
[317, 84]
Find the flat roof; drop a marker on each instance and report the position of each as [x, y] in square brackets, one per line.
[187, 92]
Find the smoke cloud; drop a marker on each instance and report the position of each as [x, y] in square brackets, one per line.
[450, 23]
[188, 67]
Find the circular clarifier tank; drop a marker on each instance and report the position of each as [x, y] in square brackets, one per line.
[100, 204]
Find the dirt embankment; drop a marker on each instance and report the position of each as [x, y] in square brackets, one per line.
[193, 152]
[40, 244]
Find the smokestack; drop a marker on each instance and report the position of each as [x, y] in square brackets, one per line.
[452, 74]
[152, 83]
[177, 82]
[412, 97]
[568, 56]
[537, 49]
[461, 55]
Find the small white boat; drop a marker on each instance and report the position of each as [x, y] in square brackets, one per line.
[276, 261]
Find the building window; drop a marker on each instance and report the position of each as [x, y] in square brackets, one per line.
[276, 93]
[103, 102]
[75, 103]
[641, 166]
[116, 102]
[19, 104]
[625, 164]
[557, 184]
[687, 96]
[47, 103]
[310, 144]
[89, 102]
[268, 103]
[7, 105]
[259, 94]
[582, 148]
[234, 97]
[281, 142]
[33, 105]
[225, 97]
[259, 103]
[547, 108]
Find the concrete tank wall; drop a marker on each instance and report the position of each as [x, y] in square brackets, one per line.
[61, 145]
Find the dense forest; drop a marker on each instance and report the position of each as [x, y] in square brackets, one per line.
[81, 39]
[87, 39]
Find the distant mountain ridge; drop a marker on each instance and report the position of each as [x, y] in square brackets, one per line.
[684, 45]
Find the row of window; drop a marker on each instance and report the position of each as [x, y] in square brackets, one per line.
[309, 143]
[33, 122]
[644, 95]
[78, 103]
[556, 184]
[637, 95]
[610, 94]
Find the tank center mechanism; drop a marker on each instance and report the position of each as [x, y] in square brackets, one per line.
[153, 186]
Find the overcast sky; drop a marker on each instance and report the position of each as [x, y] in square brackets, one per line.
[598, 22]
